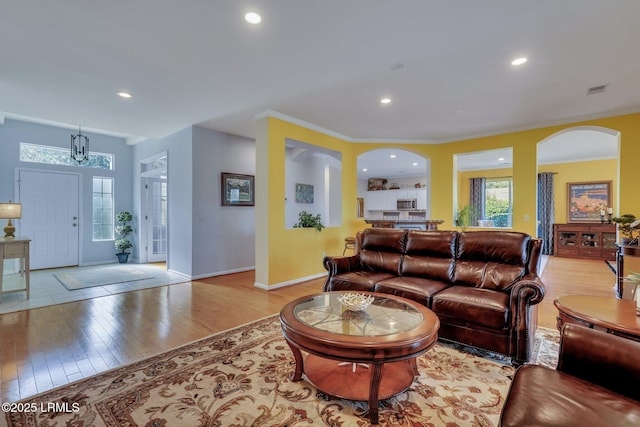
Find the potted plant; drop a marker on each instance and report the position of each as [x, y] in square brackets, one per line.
[627, 224]
[307, 220]
[123, 230]
[463, 217]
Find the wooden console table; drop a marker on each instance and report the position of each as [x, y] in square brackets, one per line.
[12, 248]
[611, 315]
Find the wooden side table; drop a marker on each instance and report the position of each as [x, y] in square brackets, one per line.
[614, 316]
[12, 248]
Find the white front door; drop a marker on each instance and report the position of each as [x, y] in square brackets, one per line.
[50, 217]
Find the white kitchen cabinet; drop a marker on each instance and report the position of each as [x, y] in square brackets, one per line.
[421, 195]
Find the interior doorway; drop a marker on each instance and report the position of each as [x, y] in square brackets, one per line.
[154, 209]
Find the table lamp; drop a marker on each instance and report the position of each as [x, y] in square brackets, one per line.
[10, 211]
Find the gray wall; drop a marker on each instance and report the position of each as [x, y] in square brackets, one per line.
[12, 132]
[205, 238]
[224, 236]
[179, 150]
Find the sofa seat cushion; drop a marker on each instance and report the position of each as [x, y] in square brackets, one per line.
[415, 288]
[357, 280]
[473, 306]
[541, 396]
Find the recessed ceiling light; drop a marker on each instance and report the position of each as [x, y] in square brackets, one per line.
[501, 159]
[519, 61]
[393, 156]
[414, 164]
[123, 94]
[252, 18]
[364, 170]
[385, 100]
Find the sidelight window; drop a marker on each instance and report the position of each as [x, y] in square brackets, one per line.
[102, 208]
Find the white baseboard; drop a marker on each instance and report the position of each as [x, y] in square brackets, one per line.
[221, 273]
[287, 283]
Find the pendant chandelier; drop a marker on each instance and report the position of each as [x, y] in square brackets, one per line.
[79, 147]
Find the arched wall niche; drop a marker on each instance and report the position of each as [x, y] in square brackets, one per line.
[313, 183]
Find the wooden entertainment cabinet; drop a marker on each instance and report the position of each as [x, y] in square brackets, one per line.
[585, 240]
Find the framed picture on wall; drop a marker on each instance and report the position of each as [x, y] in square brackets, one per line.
[237, 189]
[588, 201]
[304, 193]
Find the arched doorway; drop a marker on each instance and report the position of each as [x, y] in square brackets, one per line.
[387, 175]
[574, 155]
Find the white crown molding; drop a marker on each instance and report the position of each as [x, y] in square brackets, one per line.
[62, 125]
[301, 123]
[311, 126]
[541, 125]
[133, 140]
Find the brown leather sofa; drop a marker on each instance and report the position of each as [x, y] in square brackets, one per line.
[483, 285]
[595, 384]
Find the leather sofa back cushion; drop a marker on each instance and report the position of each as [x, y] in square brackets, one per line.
[382, 249]
[487, 275]
[494, 246]
[491, 259]
[430, 254]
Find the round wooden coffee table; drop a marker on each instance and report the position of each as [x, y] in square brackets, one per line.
[615, 316]
[386, 337]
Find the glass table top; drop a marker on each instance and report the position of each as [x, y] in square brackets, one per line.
[385, 316]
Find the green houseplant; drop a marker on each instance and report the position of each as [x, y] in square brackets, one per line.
[626, 227]
[123, 230]
[307, 220]
[463, 217]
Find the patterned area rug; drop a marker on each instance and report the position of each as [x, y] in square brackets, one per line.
[88, 277]
[240, 377]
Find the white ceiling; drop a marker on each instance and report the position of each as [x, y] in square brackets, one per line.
[326, 62]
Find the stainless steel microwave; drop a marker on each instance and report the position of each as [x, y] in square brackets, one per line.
[407, 204]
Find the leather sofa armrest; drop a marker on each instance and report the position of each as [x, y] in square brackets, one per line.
[604, 359]
[527, 291]
[525, 294]
[337, 265]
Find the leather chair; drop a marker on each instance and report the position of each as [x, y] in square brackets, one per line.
[596, 383]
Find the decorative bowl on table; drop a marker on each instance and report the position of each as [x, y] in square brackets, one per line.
[353, 301]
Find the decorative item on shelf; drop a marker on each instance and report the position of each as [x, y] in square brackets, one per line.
[627, 225]
[354, 301]
[10, 211]
[376, 184]
[307, 220]
[394, 186]
[123, 230]
[609, 214]
[79, 147]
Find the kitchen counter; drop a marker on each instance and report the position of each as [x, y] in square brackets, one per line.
[426, 224]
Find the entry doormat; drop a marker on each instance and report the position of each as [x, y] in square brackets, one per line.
[89, 277]
[241, 377]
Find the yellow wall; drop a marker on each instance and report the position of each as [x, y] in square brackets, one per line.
[596, 170]
[286, 255]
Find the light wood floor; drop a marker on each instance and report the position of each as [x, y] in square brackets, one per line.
[51, 346]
